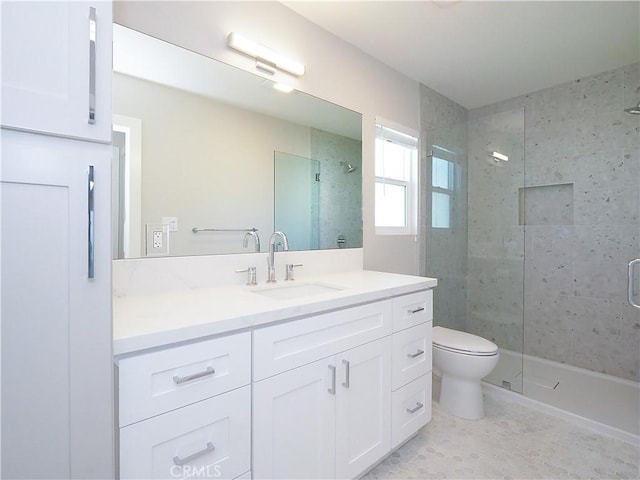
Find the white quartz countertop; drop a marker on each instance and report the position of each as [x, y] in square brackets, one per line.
[149, 321]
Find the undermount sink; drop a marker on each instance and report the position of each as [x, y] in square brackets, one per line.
[298, 290]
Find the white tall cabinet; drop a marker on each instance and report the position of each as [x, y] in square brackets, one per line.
[56, 360]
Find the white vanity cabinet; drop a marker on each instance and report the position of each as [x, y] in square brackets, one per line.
[56, 68]
[186, 410]
[322, 393]
[338, 415]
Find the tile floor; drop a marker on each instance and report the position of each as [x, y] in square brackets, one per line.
[511, 442]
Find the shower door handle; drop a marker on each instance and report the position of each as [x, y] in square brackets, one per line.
[631, 282]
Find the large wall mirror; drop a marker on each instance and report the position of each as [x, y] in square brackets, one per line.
[206, 155]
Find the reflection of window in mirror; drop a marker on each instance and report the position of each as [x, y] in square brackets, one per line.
[396, 160]
[443, 185]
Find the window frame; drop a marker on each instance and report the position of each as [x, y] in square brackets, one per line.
[450, 157]
[408, 138]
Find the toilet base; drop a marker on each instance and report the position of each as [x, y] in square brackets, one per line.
[461, 397]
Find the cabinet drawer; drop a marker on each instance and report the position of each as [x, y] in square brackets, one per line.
[410, 409]
[411, 354]
[412, 309]
[164, 380]
[289, 345]
[209, 439]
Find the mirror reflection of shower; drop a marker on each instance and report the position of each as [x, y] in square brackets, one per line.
[348, 168]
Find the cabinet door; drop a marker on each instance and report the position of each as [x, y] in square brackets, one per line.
[293, 423]
[57, 393]
[54, 55]
[363, 407]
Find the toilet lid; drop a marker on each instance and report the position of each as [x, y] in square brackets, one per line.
[463, 342]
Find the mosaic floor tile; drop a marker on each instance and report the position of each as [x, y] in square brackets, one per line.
[511, 442]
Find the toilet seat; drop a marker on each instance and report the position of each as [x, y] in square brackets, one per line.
[463, 343]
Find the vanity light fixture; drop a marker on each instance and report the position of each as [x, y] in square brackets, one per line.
[266, 59]
[499, 157]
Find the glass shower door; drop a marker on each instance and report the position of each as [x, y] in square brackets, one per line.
[496, 236]
[297, 199]
[474, 231]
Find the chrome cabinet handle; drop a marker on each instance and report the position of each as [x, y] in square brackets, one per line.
[195, 376]
[416, 408]
[93, 27]
[631, 283]
[420, 309]
[182, 461]
[347, 373]
[91, 225]
[414, 355]
[332, 389]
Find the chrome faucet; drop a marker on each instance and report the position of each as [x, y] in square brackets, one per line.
[256, 239]
[272, 247]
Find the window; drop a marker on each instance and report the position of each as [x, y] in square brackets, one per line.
[396, 182]
[443, 184]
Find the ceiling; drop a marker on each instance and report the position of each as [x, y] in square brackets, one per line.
[478, 53]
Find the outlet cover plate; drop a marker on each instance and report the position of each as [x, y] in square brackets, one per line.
[157, 240]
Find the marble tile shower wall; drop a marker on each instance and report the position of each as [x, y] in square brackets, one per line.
[340, 192]
[443, 251]
[578, 137]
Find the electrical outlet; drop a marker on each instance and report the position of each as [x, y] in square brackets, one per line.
[157, 239]
[171, 223]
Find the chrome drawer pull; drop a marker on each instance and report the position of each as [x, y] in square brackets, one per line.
[91, 251]
[347, 373]
[411, 312]
[195, 376]
[416, 408]
[182, 461]
[92, 64]
[332, 390]
[414, 355]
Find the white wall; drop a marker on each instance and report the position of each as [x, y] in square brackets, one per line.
[336, 71]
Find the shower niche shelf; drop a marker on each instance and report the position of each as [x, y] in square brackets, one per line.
[546, 204]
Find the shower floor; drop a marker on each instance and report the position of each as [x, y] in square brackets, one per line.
[610, 404]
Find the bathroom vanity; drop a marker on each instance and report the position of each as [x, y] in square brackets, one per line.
[321, 377]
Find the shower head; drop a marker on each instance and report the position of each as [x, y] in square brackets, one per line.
[633, 110]
[348, 168]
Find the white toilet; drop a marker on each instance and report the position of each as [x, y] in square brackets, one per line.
[462, 359]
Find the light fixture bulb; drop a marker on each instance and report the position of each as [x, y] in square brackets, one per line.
[497, 156]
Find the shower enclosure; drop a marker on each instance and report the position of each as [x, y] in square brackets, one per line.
[530, 217]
